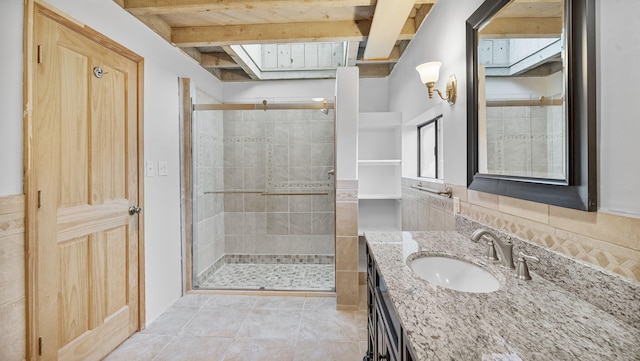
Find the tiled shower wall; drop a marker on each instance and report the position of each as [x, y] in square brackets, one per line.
[278, 151]
[526, 141]
[208, 240]
[12, 278]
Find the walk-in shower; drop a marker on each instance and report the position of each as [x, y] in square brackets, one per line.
[263, 198]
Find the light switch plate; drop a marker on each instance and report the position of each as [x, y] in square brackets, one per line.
[162, 168]
[151, 168]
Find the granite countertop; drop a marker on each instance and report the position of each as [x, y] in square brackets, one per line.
[522, 320]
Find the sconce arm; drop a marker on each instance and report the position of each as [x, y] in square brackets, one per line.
[441, 96]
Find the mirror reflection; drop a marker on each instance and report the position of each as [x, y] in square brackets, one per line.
[522, 122]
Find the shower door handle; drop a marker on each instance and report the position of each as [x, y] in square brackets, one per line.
[330, 173]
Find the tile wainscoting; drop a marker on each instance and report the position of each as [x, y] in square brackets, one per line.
[347, 243]
[12, 278]
[608, 241]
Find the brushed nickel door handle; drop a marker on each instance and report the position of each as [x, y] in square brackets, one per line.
[134, 210]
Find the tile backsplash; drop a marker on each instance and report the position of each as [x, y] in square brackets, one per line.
[607, 241]
[617, 295]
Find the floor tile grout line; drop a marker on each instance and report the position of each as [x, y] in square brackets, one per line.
[295, 344]
[254, 306]
[165, 346]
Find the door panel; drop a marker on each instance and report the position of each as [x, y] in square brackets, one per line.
[85, 166]
[74, 166]
[73, 300]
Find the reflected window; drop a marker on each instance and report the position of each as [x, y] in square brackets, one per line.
[428, 160]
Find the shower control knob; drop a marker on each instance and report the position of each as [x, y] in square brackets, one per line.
[331, 172]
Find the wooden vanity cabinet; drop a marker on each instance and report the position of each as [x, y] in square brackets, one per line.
[386, 336]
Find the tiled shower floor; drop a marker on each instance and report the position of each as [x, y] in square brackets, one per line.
[302, 277]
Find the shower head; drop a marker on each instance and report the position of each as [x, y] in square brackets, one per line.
[324, 110]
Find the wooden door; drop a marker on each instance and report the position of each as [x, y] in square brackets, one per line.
[85, 172]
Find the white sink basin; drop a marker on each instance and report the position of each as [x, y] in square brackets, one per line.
[454, 274]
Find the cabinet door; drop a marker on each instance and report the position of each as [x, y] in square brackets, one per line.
[381, 351]
[384, 349]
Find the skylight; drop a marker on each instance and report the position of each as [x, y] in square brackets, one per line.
[294, 60]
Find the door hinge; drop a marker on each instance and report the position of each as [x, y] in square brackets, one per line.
[39, 54]
[39, 199]
[39, 346]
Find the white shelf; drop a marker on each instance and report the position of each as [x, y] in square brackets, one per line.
[380, 162]
[379, 181]
[379, 172]
[378, 229]
[379, 215]
[380, 196]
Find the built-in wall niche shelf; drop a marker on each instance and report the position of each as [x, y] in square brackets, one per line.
[379, 171]
[379, 215]
[379, 179]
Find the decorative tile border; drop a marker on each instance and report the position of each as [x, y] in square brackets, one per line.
[564, 242]
[243, 140]
[279, 258]
[346, 195]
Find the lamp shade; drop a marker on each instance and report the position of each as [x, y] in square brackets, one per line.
[429, 72]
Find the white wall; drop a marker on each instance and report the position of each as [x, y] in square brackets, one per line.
[618, 106]
[163, 66]
[618, 47]
[374, 92]
[409, 96]
[292, 90]
[11, 97]
[347, 109]
[374, 95]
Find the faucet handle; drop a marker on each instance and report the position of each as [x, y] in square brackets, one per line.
[491, 250]
[522, 270]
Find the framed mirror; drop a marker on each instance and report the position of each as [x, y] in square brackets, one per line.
[531, 101]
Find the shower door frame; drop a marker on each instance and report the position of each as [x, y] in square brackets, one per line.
[187, 172]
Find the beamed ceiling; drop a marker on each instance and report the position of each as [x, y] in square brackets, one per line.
[211, 31]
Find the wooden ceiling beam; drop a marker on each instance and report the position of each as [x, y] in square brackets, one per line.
[158, 25]
[393, 58]
[194, 53]
[218, 60]
[321, 31]
[144, 7]
[388, 22]
[421, 14]
[523, 28]
[238, 60]
[374, 70]
[233, 75]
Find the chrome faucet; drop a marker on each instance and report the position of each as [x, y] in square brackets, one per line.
[505, 249]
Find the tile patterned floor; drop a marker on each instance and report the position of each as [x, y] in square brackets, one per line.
[302, 277]
[251, 328]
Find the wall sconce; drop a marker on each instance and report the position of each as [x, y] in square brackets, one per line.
[429, 73]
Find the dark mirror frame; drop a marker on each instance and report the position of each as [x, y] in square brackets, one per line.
[579, 191]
